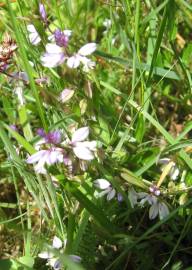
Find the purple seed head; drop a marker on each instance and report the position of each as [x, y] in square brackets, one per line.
[60, 38]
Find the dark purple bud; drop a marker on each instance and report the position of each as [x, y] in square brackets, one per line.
[42, 12]
[53, 137]
[60, 38]
[41, 132]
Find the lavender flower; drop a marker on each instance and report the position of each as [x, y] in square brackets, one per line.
[83, 149]
[42, 12]
[33, 35]
[80, 57]
[107, 188]
[53, 57]
[52, 259]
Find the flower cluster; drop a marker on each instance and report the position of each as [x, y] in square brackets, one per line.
[56, 50]
[53, 253]
[157, 206]
[56, 151]
[107, 189]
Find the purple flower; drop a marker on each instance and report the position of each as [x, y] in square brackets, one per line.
[43, 12]
[61, 38]
[53, 137]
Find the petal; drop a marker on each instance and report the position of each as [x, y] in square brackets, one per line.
[102, 183]
[75, 258]
[87, 49]
[53, 48]
[45, 255]
[164, 160]
[92, 145]
[73, 61]
[174, 173]
[163, 210]
[66, 95]
[40, 169]
[36, 157]
[133, 196]
[52, 60]
[34, 38]
[67, 32]
[80, 134]
[57, 243]
[51, 157]
[153, 211]
[83, 153]
[111, 194]
[31, 28]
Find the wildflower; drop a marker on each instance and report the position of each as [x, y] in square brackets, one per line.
[157, 207]
[33, 35]
[83, 149]
[80, 57]
[174, 172]
[53, 137]
[107, 188]
[62, 37]
[52, 258]
[42, 12]
[66, 95]
[53, 57]
[43, 157]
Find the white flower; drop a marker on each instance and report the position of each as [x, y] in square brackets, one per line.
[105, 185]
[53, 57]
[80, 57]
[83, 149]
[43, 157]
[53, 259]
[33, 34]
[174, 171]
